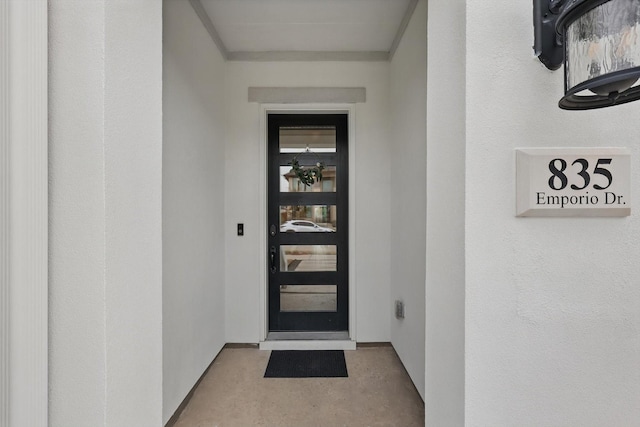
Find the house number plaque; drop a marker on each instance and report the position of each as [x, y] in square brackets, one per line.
[573, 182]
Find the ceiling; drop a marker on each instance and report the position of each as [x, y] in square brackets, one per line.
[305, 29]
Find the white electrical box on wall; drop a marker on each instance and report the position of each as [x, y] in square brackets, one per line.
[573, 182]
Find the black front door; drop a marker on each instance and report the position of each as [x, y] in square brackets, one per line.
[308, 223]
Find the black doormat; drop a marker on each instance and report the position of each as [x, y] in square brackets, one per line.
[306, 364]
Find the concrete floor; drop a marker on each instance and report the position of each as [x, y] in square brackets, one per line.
[377, 392]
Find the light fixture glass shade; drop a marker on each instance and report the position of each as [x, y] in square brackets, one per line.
[605, 41]
[599, 43]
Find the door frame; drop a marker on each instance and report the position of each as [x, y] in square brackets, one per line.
[266, 109]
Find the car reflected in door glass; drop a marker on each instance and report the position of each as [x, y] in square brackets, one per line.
[308, 219]
[304, 227]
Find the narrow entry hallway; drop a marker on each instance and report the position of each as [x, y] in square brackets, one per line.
[378, 392]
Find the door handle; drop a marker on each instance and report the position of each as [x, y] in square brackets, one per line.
[272, 256]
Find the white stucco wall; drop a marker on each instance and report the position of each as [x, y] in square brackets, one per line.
[552, 304]
[445, 275]
[24, 186]
[192, 202]
[76, 248]
[372, 180]
[408, 130]
[105, 216]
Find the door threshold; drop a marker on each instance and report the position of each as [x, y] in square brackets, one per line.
[308, 336]
[308, 345]
[308, 341]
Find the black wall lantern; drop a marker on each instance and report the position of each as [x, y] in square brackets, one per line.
[599, 43]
